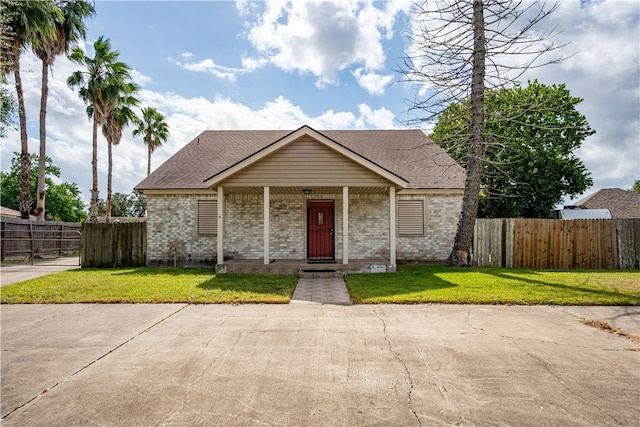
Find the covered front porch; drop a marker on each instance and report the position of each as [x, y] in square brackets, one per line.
[298, 266]
[277, 229]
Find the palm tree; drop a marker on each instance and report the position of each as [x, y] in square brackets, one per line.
[116, 120]
[154, 129]
[103, 80]
[24, 23]
[67, 32]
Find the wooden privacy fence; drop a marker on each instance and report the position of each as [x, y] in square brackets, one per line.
[557, 244]
[114, 245]
[23, 239]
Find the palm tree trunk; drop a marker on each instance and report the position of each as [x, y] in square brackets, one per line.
[109, 173]
[460, 255]
[93, 207]
[25, 161]
[149, 161]
[43, 143]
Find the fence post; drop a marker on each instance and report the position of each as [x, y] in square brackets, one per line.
[31, 238]
[3, 241]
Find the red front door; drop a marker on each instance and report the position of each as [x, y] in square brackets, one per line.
[320, 230]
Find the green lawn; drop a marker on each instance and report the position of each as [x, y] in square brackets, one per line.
[441, 284]
[150, 285]
[410, 285]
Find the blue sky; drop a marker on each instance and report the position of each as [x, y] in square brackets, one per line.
[331, 65]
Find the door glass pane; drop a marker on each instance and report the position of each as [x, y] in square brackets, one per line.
[320, 218]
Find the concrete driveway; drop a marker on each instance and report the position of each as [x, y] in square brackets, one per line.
[312, 364]
[17, 272]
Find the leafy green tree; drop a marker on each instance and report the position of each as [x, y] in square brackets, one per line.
[154, 129]
[123, 205]
[7, 110]
[63, 200]
[531, 134]
[100, 83]
[68, 28]
[24, 23]
[636, 187]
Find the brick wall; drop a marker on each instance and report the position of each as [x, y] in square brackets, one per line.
[172, 232]
[441, 213]
[368, 226]
[172, 223]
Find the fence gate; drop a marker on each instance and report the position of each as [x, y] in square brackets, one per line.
[24, 240]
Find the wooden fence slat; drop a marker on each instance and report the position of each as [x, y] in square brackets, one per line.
[558, 244]
[114, 245]
[508, 239]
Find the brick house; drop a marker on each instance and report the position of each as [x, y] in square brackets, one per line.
[275, 200]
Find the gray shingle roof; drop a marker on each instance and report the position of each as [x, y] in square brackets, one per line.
[407, 153]
[621, 203]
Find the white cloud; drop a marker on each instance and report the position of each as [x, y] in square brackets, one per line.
[372, 82]
[323, 38]
[222, 72]
[602, 68]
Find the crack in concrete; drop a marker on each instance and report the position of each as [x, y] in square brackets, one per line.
[68, 377]
[404, 364]
[546, 367]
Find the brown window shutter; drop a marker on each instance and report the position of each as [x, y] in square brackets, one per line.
[410, 217]
[207, 216]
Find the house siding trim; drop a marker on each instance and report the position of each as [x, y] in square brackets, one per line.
[304, 131]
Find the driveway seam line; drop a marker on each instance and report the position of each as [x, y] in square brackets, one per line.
[68, 377]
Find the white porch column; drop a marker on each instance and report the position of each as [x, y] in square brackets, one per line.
[220, 248]
[266, 225]
[345, 225]
[392, 225]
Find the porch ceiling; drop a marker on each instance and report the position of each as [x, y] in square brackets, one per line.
[299, 190]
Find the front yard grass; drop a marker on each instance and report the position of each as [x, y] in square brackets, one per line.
[441, 284]
[150, 285]
[410, 285]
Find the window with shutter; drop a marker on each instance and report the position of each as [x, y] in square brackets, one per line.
[207, 217]
[410, 217]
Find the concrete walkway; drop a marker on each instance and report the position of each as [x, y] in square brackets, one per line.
[313, 365]
[13, 273]
[321, 290]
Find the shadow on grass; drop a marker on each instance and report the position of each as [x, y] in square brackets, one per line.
[156, 271]
[522, 277]
[411, 280]
[269, 284]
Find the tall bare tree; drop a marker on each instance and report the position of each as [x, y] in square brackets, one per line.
[68, 29]
[459, 48]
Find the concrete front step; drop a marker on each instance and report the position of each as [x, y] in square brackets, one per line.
[320, 274]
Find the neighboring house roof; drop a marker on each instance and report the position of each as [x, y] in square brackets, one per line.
[406, 157]
[11, 213]
[621, 203]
